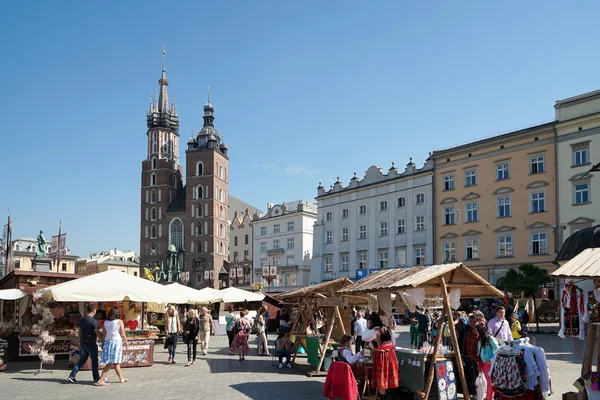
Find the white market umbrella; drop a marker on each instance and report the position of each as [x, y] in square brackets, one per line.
[181, 294]
[12, 294]
[235, 295]
[110, 285]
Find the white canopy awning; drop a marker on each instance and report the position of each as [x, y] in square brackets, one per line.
[11, 294]
[181, 294]
[235, 295]
[110, 285]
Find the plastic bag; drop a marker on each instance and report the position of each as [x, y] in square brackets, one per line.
[481, 385]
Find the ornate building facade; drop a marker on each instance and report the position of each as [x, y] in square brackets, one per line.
[183, 233]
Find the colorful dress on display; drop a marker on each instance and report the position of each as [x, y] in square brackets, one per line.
[593, 300]
[573, 312]
[385, 373]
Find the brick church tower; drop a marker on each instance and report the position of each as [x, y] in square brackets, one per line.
[206, 202]
[183, 228]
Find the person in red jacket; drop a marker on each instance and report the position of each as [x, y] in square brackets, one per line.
[340, 382]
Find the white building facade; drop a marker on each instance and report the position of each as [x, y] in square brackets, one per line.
[240, 242]
[578, 149]
[283, 238]
[380, 221]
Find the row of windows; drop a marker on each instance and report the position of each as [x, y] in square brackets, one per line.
[383, 260]
[17, 264]
[277, 244]
[154, 182]
[276, 260]
[221, 171]
[383, 206]
[383, 229]
[538, 245]
[246, 255]
[235, 240]
[277, 228]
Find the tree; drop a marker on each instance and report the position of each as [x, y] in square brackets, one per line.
[527, 279]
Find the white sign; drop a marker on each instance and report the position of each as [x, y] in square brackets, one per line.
[265, 271]
[240, 272]
[206, 275]
[232, 273]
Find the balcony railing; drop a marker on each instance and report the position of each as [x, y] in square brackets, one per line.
[274, 252]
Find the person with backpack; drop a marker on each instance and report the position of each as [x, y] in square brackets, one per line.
[240, 338]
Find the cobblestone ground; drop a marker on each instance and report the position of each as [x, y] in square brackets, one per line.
[220, 375]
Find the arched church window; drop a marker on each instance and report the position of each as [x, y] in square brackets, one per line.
[199, 210]
[154, 163]
[199, 168]
[153, 214]
[176, 233]
[153, 180]
[200, 192]
[175, 181]
[153, 196]
[153, 232]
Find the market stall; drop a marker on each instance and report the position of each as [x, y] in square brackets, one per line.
[416, 284]
[114, 289]
[309, 301]
[17, 320]
[235, 296]
[583, 267]
[7, 295]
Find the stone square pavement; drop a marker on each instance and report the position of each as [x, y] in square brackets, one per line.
[220, 375]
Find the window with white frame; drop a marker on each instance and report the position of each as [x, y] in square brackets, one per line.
[235, 255]
[503, 204]
[472, 212]
[276, 228]
[362, 260]
[290, 259]
[419, 255]
[345, 235]
[344, 262]
[401, 202]
[290, 226]
[449, 216]
[328, 263]
[263, 261]
[449, 251]
[345, 213]
[502, 171]
[290, 243]
[263, 231]
[581, 193]
[448, 182]
[581, 154]
[536, 165]
[328, 237]
[401, 227]
[362, 232]
[471, 249]
[246, 255]
[538, 243]
[383, 259]
[362, 210]
[471, 177]
[328, 216]
[276, 244]
[153, 180]
[538, 202]
[400, 257]
[420, 198]
[505, 245]
[276, 260]
[420, 222]
[383, 206]
[383, 229]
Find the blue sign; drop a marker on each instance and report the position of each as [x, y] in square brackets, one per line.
[360, 273]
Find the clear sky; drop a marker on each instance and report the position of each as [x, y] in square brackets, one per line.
[303, 91]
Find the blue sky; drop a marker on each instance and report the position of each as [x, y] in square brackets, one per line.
[303, 92]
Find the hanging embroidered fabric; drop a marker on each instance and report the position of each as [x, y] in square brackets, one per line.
[573, 312]
[592, 302]
[509, 375]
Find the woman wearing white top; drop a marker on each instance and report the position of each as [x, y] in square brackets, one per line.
[172, 330]
[113, 332]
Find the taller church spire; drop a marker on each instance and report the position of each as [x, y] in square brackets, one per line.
[161, 114]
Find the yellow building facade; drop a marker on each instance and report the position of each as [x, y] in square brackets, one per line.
[495, 202]
[24, 251]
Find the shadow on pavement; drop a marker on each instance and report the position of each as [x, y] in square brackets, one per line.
[46, 378]
[280, 389]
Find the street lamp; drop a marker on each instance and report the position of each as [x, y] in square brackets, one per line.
[269, 274]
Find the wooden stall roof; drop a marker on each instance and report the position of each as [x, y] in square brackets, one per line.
[321, 290]
[457, 276]
[585, 265]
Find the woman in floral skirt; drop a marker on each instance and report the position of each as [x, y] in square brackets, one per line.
[113, 333]
[240, 338]
[385, 373]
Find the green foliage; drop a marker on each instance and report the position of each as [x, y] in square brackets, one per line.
[528, 279]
